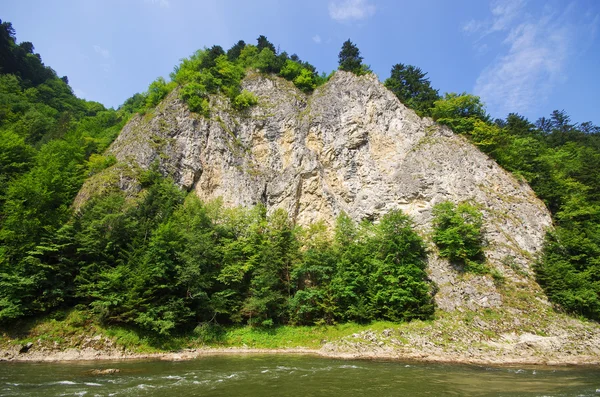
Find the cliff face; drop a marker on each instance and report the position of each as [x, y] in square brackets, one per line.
[350, 146]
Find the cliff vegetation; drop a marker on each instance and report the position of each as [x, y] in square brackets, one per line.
[140, 249]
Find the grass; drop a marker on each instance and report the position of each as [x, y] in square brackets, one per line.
[75, 328]
[288, 336]
[454, 331]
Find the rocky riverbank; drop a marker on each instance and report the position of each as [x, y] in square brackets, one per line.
[330, 351]
[561, 341]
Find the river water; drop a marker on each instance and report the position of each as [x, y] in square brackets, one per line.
[291, 376]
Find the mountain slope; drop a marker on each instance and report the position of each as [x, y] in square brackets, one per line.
[350, 146]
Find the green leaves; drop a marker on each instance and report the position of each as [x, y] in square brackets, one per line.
[245, 100]
[399, 288]
[196, 97]
[560, 160]
[413, 89]
[459, 112]
[350, 59]
[366, 272]
[569, 269]
[458, 234]
[157, 91]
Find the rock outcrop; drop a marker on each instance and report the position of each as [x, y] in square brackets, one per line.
[349, 146]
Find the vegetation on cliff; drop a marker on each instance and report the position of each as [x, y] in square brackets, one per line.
[458, 234]
[214, 70]
[163, 261]
[559, 159]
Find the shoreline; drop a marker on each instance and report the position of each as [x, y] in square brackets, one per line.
[484, 339]
[73, 355]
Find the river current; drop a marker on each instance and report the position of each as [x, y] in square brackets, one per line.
[280, 375]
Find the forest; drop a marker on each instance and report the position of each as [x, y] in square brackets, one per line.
[165, 262]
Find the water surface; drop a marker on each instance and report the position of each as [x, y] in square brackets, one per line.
[291, 376]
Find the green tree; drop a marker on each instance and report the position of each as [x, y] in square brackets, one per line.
[195, 96]
[16, 157]
[314, 301]
[270, 286]
[263, 42]
[351, 281]
[350, 59]
[413, 89]
[234, 52]
[399, 288]
[569, 270]
[290, 70]
[459, 112]
[458, 234]
[156, 92]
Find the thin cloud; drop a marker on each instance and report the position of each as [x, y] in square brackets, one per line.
[317, 39]
[534, 57]
[161, 3]
[504, 13]
[102, 51]
[107, 60]
[348, 10]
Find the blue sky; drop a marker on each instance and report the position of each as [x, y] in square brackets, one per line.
[520, 56]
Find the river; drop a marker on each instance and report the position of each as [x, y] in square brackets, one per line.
[281, 375]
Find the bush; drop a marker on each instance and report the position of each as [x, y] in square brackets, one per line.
[568, 274]
[458, 234]
[157, 91]
[244, 100]
[195, 95]
[459, 112]
[305, 81]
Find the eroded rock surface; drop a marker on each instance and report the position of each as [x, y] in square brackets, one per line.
[350, 146]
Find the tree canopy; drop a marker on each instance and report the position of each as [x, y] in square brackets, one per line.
[350, 59]
[413, 89]
[164, 261]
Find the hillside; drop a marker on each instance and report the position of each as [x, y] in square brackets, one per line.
[251, 191]
[350, 147]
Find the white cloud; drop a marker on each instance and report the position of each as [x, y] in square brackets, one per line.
[317, 39]
[533, 57]
[102, 51]
[161, 3]
[473, 26]
[503, 14]
[346, 10]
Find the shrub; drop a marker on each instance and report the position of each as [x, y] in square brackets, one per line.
[244, 100]
[195, 95]
[458, 234]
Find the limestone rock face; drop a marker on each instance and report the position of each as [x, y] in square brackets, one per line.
[349, 146]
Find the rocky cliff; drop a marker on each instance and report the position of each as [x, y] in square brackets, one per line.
[349, 146]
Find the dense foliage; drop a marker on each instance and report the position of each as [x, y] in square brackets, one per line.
[156, 259]
[560, 160]
[214, 71]
[458, 234]
[49, 143]
[163, 262]
[350, 59]
[413, 89]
